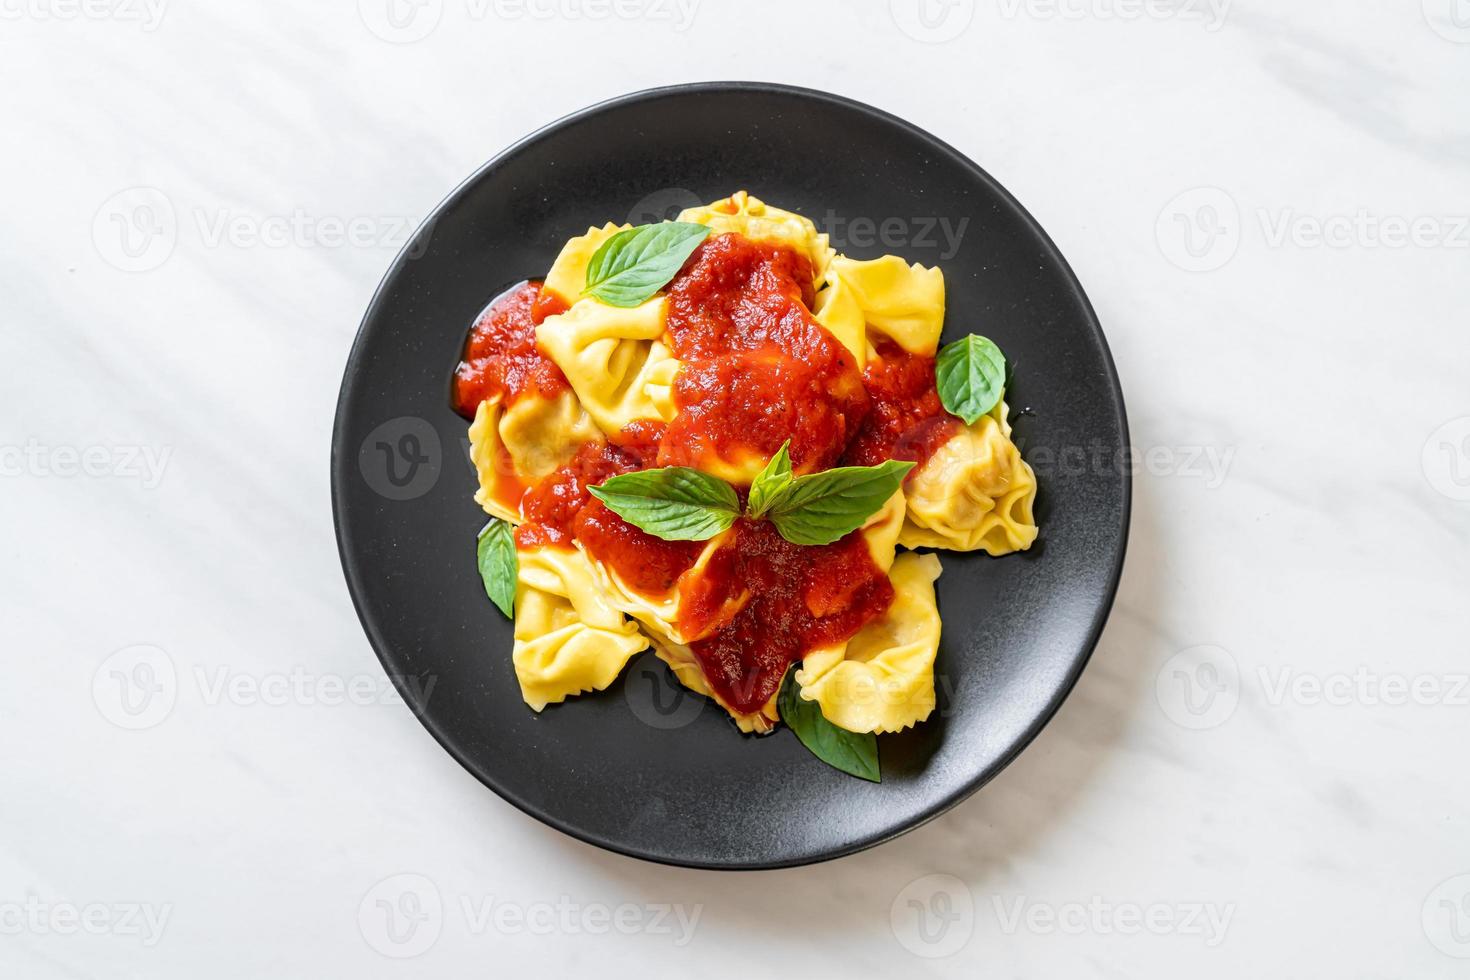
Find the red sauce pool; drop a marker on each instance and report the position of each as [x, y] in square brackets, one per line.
[501, 357]
[758, 369]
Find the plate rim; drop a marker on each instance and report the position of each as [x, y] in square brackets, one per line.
[341, 460]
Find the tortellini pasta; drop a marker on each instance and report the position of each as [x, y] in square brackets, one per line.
[882, 530]
[903, 302]
[975, 492]
[514, 447]
[568, 273]
[659, 614]
[568, 637]
[884, 681]
[614, 359]
[838, 310]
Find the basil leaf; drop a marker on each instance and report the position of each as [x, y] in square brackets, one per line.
[496, 551]
[822, 507]
[970, 375]
[855, 753]
[675, 503]
[635, 263]
[770, 481]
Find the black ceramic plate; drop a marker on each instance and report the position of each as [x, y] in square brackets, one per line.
[644, 768]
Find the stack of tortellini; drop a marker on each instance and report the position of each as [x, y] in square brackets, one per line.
[577, 625]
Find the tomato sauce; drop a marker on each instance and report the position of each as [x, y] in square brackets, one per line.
[905, 419]
[761, 603]
[757, 369]
[559, 510]
[501, 358]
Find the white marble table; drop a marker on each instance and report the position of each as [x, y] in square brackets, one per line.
[1262, 771]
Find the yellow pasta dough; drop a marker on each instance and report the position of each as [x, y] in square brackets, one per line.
[614, 359]
[837, 309]
[568, 637]
[975, 492]
[885, 680]
[568, 275]
[512, 448]
[658, 615]
[882, 529]
[901, 301]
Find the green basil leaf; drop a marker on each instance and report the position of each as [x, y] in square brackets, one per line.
[770, 481]
[675, 503]
[855, 753]
[496, 551]
[635, 263]
[971, 376]
[822, 507]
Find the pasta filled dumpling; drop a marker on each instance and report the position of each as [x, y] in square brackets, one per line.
[682, 661]
[514, 447]
[568, 275]
[568, 638]
[901, 301]
[659, 615]
[614, 360]
[760, 222]
[975, 492]
[837, 309]
[882, 530]
[658, 612]
[884, 681]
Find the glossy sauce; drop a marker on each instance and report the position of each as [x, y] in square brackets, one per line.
[761, 603]
[558, 511]
[905, 418]
[757, 369]
[501, 357]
